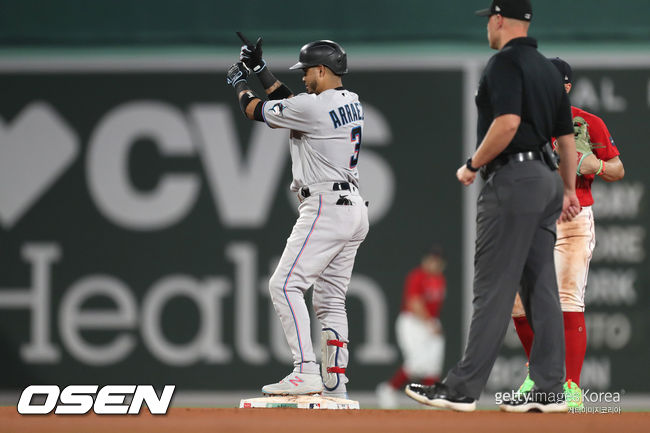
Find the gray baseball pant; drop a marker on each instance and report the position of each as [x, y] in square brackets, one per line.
[516, 222]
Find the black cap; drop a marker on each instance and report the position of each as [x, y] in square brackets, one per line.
[564, 68]
[517, 9]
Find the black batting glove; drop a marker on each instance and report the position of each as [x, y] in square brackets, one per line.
[236, 74]
[252, 56]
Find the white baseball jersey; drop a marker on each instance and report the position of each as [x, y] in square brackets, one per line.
[325, 139]
[325, 135]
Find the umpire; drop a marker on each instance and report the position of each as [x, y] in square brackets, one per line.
[521, 104]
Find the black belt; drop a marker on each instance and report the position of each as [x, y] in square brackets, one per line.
[502, 160]
[336, 186]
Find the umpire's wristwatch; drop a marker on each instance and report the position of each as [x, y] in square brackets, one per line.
[468, 164]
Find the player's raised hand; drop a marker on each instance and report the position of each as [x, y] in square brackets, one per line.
[236, 73]
[251, 54]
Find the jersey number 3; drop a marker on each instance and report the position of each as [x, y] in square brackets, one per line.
[355, 136]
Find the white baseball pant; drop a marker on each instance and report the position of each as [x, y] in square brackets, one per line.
[320, 251]
[574, 248]
[423, 349]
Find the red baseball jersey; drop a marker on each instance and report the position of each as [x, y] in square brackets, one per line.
[428, 287]
[603, 147]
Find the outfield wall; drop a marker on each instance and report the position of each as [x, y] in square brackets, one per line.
[209, 23]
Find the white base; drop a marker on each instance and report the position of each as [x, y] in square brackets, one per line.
[315, 401]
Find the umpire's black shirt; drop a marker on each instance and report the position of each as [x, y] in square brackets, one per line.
[519, 80]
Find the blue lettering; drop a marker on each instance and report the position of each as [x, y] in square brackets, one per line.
[354, 113]
[348, 111]
[342, 114]
[358, 107]
[335, 119]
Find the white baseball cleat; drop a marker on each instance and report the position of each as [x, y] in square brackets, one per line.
[296, 384]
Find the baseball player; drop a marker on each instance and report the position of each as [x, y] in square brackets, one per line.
[326, 129]
[597, 156]
[418, 329]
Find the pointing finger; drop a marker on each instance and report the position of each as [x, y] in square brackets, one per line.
[244, 39]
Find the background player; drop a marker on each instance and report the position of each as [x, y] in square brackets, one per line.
[326, 127]
[418, 329]
[597, 155]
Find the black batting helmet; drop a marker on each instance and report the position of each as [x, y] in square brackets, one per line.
[323, 52]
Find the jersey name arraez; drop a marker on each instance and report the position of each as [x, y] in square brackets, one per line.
[322, 140]
[347, 113]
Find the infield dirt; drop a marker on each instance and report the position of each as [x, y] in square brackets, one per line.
[195, 420]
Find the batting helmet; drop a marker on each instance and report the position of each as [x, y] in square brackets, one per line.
[323, 52]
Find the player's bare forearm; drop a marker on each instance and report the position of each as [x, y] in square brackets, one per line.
[613, 170]
[566, 148]
[610, 170]
[275, 86]
[498, 137]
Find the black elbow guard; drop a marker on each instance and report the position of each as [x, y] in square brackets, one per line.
[257, 114]
[245, 99]
[281, 92]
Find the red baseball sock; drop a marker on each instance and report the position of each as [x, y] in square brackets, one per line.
[575, 340]
[430, 380]
[525, 333]
[399, 379]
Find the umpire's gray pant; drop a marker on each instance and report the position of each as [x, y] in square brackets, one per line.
[515, 235]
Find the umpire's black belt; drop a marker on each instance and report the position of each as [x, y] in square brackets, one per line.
[502, 160]
[335, 186]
